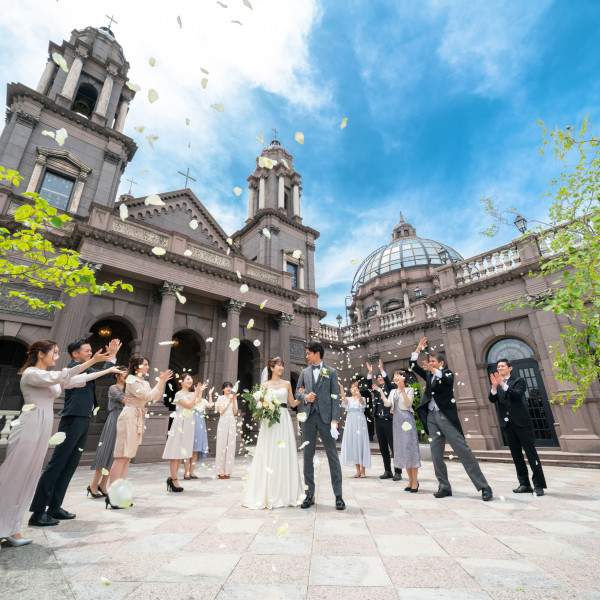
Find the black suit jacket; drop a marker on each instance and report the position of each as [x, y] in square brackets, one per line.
[379, 408]
[80, 402]
[440, 390]
[511, 403]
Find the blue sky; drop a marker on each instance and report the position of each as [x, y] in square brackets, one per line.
[442, 100]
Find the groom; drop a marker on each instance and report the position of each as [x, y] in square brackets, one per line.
[321, 406]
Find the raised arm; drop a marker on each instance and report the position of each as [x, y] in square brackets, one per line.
[81, 379]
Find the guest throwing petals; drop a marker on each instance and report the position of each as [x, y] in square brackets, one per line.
[226, 431]
[356, 449]
[28, 438]
[130, 424]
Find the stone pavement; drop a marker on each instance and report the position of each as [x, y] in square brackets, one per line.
[387, 544]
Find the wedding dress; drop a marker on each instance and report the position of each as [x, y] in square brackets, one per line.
[274, 480]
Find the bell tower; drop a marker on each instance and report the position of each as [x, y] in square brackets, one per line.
[88, 98]
[274, 234]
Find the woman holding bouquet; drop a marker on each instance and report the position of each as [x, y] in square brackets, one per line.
[274, 479]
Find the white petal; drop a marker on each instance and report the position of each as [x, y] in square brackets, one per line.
[154, 200]
[260, 139]
[27, 407]
[194, 224]
[188, 252]
[61, 136]
[179, 22]
[60, 61]
[244, 288]
[48, 133]
[104, 581]
[304, 444]
[238, 274]
[237, 191]
[120, 493]
[203, 83]
[105, 472]
[140, 128]
[204, 70]
[57, 438]
[151, 137]
[187, 121]
[237, 22]
[406, 426]
[299, 137]
[250, 324]
[158, 251]
[229, 241]
[152, 96]
[234, 344]
[256, 343]
[247, 3]
[218, 107]
[167, 343]
[344, 122]
[181, 298]
[266, 233]
[285, 163]
[263, 303]
[95, 411]
[133, 86]
[208, 340]
[297, 254]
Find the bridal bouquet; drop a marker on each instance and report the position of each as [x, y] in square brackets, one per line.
[263, 404]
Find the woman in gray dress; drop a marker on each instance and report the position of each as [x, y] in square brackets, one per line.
[104, 458]
[406, 438]
[356, 449]
[30, 433]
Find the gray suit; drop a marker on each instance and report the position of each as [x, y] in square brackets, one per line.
[320, 413]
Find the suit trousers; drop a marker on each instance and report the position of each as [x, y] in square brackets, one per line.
[310, 427]
[437, 422]
[55, 479]
[385, 438]
[521, 439]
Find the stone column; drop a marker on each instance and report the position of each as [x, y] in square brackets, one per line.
[40, 161]
[251, 202]
[164, 330]
[230, 363]
[72, 80]
[104, 98]
[296, 196]
[301, 275]
[122, 113]
[261, 193]
[47, 76]
[284, 320]
[281, 193]
[76, 197]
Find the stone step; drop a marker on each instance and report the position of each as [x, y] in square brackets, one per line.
[551, 457]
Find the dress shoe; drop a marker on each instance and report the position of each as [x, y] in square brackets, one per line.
[89, 491]
[407, 488]
[60, 513]
[22, 542]
[414, 490]
[42, 520]
[308, 501]
[486, 494]
[523, 489]
[397, 477]
[339, 503]
[538, 491]
[442, 493]
[386, 475]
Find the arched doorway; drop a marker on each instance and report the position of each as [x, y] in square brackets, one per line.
[521, 355]
[100, 335]
[185, 359]
[12, 357]
[248, 364]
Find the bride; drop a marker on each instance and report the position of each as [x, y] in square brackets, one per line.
[274, 479]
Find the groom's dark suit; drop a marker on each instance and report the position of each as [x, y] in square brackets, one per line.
[319, 415]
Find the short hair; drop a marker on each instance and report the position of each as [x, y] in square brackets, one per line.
[401, 371]
[180, 380]
[316, 347]
[226, 384]
[439, 358]
[74, 346]
[505, 361]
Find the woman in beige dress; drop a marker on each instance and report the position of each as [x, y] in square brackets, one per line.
[226, 431]
[28, 438]
[180, 440]
[130, 425]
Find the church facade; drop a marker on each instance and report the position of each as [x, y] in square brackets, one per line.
[202, 265]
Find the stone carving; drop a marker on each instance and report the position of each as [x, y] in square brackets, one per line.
[541, 299]
[94, 266]
[209, 257]
[285, 318]
[169, 290]
[310, 246]
[373, 357]
[297, 350]
[272, 278]
[451, 322]
[81, 53]
[9, 114]
[14, 304]
[234, 306]
[24, 118]
[112, 157]
[140, 234]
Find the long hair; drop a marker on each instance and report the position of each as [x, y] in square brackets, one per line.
[43, 346]
[134, 362]
[272, 362]
[180, 382]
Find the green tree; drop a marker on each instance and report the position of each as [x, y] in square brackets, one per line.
[571, 243]
[27, 257]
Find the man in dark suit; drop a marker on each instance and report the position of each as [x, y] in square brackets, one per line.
[384, 422]
[320, 403]
[439, 416]
[75, 423]
[508, 394]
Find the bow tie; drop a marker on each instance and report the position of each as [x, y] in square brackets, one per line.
[315, 367]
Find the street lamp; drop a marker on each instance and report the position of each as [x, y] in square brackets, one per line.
[444, 256]
[339, 319]
[418, 293]
[520, 223]
[374, 307]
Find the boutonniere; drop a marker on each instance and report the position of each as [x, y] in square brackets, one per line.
[324, 372]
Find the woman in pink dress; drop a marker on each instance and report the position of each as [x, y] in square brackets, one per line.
[28, 439]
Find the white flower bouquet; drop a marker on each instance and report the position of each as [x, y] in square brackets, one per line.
[263, 404]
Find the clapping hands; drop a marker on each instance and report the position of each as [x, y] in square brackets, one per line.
[496, 381]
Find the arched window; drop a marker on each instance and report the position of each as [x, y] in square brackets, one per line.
[510, 348]
[85, 100]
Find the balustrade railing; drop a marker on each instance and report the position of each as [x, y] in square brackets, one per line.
[398, 318]
[7, 417]
[487, 264]
[329, 333]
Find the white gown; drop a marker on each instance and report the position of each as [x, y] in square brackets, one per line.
[274, 480]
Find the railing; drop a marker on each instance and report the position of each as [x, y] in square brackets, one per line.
[352, 333]
[7, 415]
[430, 312]
[398, 318]
[487, 264]
[329, 333]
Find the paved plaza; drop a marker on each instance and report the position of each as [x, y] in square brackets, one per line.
[202, 544]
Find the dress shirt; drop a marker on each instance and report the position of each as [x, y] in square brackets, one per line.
[436, 374]
[504, 387]
[382, 373]
[316, 370]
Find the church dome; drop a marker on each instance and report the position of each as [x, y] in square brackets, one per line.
[406, 251]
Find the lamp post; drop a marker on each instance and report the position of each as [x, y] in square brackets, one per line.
[444, 256]
[520, 223]
[418, 293]
[339, 319]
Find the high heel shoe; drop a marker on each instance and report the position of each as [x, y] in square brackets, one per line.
[102, 493]
[415, 490]
[22, 542]
[171, 487]
[89, 491]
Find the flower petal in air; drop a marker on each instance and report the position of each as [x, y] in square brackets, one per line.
[60, 61]
[266, 233]
[179, 22]
[256, 343]
[237, 191]
[167, 343]
[301, 417]
[297, 254]
[187, 121]
[95, 411]
[104, 581]
[154, 200]
[204, 83]
[247, 3]
[238, 22]
[57, 438]
[48, 133]
[120, 493]
[105, 472]
[260, 139]
[285, 163]
[223, 5]
[61, 136]
[27, 407]
[151, 137]
[181, 298]
[229, 241]
[218, 107]
[344, 122]
[188, 252]
[204, 70]
[152, 96]
[234, 344]
[299, 137]
[133, 86]
[406, 426]
[140, 128]
[194, 224]
[282, 532]
[244, 288]
[158, 251]
[250, 324]
[263, 303]
[208, 340]
[304, 444]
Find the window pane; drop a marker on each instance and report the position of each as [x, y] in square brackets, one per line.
[293, 269]
[56, 190]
